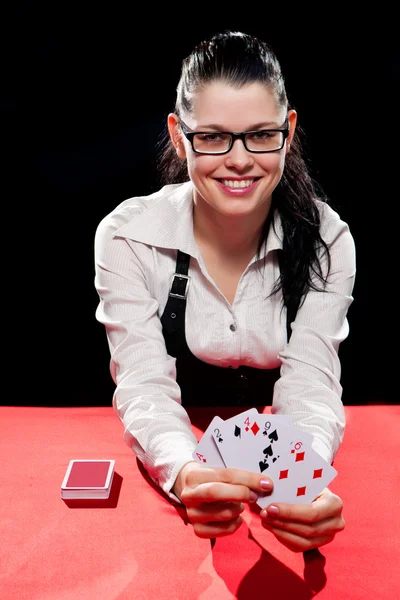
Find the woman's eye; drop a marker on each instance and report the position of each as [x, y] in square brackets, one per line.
[263, 135]
[211, 137]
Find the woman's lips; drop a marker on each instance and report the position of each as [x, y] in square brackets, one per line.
[237, 191]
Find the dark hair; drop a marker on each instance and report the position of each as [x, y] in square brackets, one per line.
[239, 59]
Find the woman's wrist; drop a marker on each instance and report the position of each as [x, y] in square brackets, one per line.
[180, 480]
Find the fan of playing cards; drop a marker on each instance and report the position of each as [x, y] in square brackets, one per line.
[269, 444]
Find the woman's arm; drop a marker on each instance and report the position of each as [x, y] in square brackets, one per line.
[309, 387]
[147, 396]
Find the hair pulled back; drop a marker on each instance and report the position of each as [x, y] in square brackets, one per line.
[239, 59]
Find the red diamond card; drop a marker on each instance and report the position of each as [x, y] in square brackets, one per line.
[298, 477]
[88, 478]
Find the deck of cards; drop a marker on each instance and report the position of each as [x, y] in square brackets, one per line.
[88, 479]
[267, 444]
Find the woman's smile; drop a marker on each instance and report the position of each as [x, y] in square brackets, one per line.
[239, 186]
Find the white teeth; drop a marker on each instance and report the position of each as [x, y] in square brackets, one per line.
[232, 183]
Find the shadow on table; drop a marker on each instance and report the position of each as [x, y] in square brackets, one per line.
[258, 573]
[180, 509]
[268, 577]
[110, 502]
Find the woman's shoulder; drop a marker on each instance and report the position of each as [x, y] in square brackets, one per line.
[128, 209]
[151, 219]
[331, 223]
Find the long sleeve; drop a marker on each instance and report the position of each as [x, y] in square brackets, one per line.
[309, 388]
[147, 397]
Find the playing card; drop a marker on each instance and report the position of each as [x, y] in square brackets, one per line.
[298, 477]
[257, 442]
[270, 444]
[206, 452]
[89, 478]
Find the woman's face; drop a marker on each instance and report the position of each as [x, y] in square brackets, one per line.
[221, 107]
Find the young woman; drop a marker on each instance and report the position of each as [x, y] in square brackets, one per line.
[230, 285]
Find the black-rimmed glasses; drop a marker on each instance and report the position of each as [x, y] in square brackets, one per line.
[221, 142]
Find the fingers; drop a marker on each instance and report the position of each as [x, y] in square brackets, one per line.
[298, 543]
[228, 485]
[303, 527]
[215, 497]
[216, 511]
[227, 475]
[220, 529]
[312, 530]
[326, 506]
[217, 492]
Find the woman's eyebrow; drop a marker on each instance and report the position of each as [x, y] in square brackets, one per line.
[217, 127]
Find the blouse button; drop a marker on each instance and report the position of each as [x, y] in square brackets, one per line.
[233, 327]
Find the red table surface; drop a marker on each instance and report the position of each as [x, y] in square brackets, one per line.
[138, 545]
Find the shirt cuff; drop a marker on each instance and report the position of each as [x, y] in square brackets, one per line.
[323, 449]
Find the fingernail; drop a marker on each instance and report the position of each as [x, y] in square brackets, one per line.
[266, 484]
[263, 514]
[253, 496]
[273, 510]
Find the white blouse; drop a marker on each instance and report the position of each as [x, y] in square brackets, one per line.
[135, 257]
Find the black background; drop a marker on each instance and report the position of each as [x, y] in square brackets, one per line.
[85, 93]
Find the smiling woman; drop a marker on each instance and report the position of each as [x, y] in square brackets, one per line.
[259, 316]
[226, 166]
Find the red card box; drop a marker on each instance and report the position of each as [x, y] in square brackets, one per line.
[88, 479]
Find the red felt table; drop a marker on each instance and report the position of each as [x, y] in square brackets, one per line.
[138, 545]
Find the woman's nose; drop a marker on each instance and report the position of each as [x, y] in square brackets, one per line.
[238, 156]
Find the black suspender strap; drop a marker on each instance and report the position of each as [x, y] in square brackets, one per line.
[174, 313]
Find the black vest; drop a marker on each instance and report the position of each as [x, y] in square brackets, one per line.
[201, 383]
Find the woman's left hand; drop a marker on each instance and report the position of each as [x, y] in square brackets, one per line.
[301, 527]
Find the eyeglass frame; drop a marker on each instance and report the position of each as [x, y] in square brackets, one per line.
[234, 135]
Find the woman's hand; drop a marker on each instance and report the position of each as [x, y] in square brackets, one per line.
[215, 497]
[301, 527]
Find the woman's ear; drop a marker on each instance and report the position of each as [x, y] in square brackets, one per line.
[176, 135]
[292, 120]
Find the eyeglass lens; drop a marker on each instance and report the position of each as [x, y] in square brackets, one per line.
[256, 141]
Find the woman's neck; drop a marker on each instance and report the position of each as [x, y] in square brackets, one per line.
[228, 236]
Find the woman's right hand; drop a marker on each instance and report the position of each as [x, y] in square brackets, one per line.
[216, 497]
